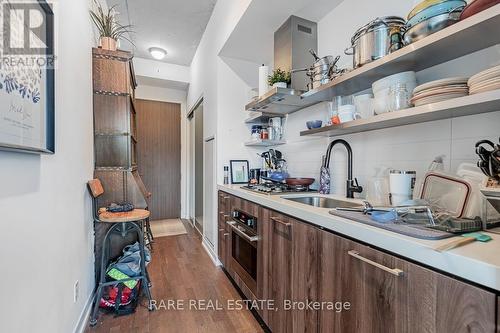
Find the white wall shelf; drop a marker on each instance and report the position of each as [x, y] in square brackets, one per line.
[457, 107]
[260, 118]
[280, 101]
[264, 143]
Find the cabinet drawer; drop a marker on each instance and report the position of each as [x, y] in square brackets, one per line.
[389, 294]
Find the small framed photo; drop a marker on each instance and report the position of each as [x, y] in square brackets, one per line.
[239, 171]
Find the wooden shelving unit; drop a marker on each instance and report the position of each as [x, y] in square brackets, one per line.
[115, 128]
[457, 107]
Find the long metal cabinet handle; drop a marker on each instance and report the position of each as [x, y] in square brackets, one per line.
[286, 224]
[233, 225]
[393, 271]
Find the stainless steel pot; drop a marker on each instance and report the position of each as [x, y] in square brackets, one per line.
[431, 25]
[321, 71]
[376, 40]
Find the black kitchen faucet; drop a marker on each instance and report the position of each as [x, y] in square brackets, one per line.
[352, 184]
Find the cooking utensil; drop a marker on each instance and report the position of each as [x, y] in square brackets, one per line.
[423, 5]
[446, 193]
[489, 162]
[299, 181]
[477, 6]
[463, 240]
[430, 26]
[457, 226]
[376, 39]
[437, 9]
[314, 124]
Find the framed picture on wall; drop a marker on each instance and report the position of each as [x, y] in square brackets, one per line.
[239, 171]
[27, 79]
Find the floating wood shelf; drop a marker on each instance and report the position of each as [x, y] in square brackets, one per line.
[457, 107]
[264, 143]
[260, 118]
[279, 101]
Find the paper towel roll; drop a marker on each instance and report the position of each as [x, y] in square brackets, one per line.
[263, 76]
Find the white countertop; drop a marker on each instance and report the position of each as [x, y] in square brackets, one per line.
[477, 262]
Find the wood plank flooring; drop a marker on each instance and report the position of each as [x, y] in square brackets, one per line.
[181, 270]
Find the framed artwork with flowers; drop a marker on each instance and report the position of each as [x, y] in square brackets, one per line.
[27, 68]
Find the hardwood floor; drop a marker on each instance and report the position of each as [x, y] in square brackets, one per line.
[181, 270]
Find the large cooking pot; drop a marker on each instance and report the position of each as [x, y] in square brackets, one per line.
[376, 40]
[320, 71]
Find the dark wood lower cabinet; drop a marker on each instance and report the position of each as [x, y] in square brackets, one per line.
[292, 272]
[416, 300]
[224, 203]
[359, 289]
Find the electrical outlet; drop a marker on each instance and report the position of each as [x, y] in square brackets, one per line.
[76, 291]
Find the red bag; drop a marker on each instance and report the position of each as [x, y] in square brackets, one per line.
[123, 294]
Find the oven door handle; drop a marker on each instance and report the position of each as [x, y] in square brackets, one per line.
[235, 228]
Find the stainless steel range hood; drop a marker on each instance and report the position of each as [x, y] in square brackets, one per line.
[292, 42]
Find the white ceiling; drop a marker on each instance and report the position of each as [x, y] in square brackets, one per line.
[174, 25]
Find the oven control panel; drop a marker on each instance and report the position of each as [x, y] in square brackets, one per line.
[245, 219]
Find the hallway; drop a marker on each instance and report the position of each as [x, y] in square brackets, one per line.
[181, 270]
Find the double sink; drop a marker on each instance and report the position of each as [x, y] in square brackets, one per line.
[322, 202]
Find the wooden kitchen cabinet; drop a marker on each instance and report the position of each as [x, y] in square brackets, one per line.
[223, 243]
[289, 271]
[388, 294]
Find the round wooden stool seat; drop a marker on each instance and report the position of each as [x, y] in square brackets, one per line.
[133, 215]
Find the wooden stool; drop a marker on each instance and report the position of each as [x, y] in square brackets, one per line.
[123, 223]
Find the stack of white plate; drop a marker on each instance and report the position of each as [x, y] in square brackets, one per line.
[440, 90]
[485, 81]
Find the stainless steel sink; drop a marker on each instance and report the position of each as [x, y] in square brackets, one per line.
[322, 202]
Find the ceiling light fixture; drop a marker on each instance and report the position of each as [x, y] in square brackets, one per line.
[157, 53]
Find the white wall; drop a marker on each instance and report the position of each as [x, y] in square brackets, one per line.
[47, 238]
[204, 83]
[173, 96]
[161, 70]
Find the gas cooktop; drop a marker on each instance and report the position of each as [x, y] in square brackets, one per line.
[276, 188]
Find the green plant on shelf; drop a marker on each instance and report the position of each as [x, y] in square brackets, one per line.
[279, 75]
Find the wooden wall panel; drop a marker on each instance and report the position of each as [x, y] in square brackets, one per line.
[159, 155]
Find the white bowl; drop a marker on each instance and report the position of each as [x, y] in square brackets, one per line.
[409, 78]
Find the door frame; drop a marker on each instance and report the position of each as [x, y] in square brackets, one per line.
[190, 179]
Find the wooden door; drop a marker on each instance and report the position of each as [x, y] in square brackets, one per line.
[159, 155]
[280, 271]
[289, 272]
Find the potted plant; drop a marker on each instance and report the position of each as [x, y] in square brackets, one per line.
[279, 78]
[110, 31]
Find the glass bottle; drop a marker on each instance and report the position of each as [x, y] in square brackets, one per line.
[226, 174]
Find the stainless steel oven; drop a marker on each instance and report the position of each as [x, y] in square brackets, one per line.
[244, 241]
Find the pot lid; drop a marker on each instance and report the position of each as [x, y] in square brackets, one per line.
[386, 21]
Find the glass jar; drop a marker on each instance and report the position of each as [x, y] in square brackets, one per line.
[334, 105]
[264, 134]
[398, 97]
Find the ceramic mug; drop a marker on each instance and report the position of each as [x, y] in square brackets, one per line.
[348, 113]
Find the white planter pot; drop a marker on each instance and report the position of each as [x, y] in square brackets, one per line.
[280, 85]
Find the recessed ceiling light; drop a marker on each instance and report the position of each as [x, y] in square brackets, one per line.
[157, 52]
